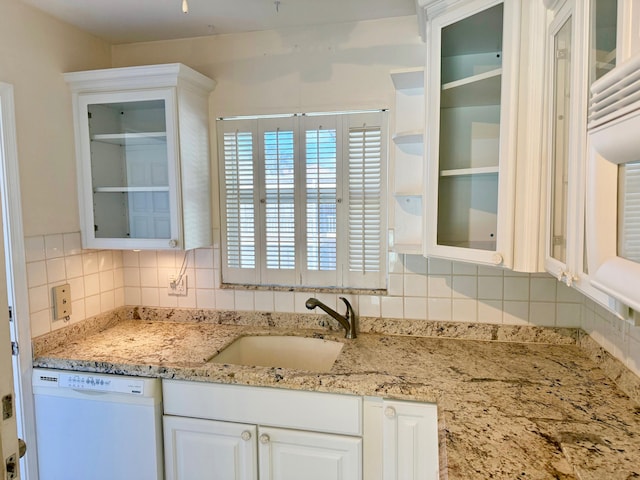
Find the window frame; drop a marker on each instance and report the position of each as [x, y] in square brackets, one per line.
[301, 276]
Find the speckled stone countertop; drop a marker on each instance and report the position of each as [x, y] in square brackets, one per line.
[541, 407]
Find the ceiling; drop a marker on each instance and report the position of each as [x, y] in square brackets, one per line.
[127, 21]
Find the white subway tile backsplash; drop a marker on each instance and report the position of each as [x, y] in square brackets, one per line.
[283, 301]
[568, 314]
[36, 273]
[415, 285]
[369, 305]
[148, 258]
[167, 301]
[465, 286]
[396, 262]
[225, 300]
[415, 308]
[149, 277]
[107, 301]
[167, 259]
[92, 305]
[542, 314]
[38, 298]
[130, 258]
[54, 246]
[486, 271]
[543, 289]
[40, 322]
[90, 263]
[133, 296]
[72, 243]
[73, 266]
[204, 278]
[105, 260]
[263, 301]
[490, 288]
[34, 248]
[92, 284]
[188, 300]
[515, 313]
[149, 296]
[244, 300]
[395, 285]
[56, 272]
[440, 286]
[205, 298]
[76, 285]
[565, 294]
[460, 268]
[204, 258]
[416, 264]
[464, 310]
[437, 266]
[391, 307]
[490, 311]
[440, 309]
[106, 280]
[516, 288]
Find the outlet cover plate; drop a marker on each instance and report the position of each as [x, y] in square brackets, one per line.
[175, 287]
[61, 301]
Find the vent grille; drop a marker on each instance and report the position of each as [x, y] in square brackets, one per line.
[615, 94]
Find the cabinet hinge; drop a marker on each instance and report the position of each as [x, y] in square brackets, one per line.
[15, 349]
[558, 240]
[561, 53]
[11, 314]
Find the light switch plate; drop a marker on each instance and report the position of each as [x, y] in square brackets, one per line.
[61, 301]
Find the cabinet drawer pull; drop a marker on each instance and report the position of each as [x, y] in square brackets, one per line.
[264, 439]
[390, 412]
[246, 435]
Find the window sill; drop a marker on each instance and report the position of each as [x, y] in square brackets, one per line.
[280, 288]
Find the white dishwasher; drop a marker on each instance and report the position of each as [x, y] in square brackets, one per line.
[97, 427]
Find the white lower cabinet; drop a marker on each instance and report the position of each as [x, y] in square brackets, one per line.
[197, 449]
[292, 455]
[229, 432]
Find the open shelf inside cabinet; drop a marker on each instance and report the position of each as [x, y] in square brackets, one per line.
[477, 90]
[126, 139]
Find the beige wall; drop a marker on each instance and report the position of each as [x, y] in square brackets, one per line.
[35, 50]
[304, 69]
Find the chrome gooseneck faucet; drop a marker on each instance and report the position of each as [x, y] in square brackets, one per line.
[348, 321]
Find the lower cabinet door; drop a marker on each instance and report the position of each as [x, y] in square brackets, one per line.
[410, 441]
[295, 455]
[198, 449]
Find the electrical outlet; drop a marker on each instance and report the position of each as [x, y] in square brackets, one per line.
[61, 301]
[175, 287]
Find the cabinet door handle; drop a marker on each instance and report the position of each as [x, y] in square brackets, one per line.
[264, 439]
[497, 258]
[246, 435]
[390, 412]
[173, 243]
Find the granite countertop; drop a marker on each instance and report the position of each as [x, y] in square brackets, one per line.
[540, 409]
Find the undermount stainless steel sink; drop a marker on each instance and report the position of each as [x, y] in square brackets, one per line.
[299, 353]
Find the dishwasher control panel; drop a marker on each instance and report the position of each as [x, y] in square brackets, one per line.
[95, 383]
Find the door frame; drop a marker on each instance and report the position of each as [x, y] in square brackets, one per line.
[17, 279]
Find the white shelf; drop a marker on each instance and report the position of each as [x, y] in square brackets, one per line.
[409, 136]
[469, 171]
[408, 78]
[145, 138]
[489, 245]
[477, 90]
[130, 189]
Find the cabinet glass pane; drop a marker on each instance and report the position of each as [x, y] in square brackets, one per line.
[471, 76]
[560, 134]
[604, 20]
[129, 169]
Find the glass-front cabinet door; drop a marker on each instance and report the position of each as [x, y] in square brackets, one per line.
[142, 157]
[132, 163]
[471, 134]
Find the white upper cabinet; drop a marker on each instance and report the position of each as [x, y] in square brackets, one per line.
[471, 129]
[142, 155]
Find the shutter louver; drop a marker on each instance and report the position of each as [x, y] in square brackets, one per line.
[239, 199]
[629, 235]
[279, 198]
[321, 198]
[365, 203]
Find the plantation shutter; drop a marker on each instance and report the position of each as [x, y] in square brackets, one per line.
[322, 174]
[629, 220]
[237, 154]
[277, 199]
[302, 200]
[366, 253]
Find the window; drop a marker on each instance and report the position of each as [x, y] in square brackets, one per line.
[302, 200]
